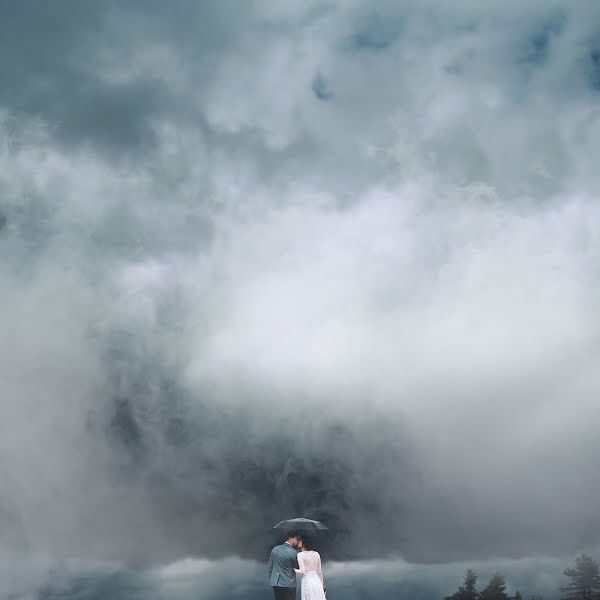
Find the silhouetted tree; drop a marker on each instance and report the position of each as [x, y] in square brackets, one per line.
[518, 596]
[468, 590]
[495, 589]
[469, 585]
[585, 580]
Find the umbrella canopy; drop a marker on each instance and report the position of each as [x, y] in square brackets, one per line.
[301, 524]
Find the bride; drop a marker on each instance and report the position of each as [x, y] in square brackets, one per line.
[309, 561]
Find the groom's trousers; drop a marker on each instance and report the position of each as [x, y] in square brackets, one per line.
[284, 593]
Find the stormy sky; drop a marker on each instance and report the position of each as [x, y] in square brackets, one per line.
[262, 259]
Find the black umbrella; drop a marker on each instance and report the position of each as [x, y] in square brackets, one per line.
[301, 524]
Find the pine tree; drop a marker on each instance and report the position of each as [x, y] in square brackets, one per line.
[467, 591]
[469, 586]
[518, 596]
[585, 580]
[495, 589]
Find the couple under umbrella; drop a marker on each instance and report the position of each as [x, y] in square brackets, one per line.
[297, 556]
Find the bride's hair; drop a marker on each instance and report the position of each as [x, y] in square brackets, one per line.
[307, 543]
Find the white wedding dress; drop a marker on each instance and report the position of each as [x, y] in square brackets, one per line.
[311, 587]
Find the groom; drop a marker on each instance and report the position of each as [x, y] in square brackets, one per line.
[282, 562]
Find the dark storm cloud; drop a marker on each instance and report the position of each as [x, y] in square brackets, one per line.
[348, 269]
[64, 62]
[49, 70]
[188, 456]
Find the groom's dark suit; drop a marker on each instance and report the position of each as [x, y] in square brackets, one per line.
[283, 560]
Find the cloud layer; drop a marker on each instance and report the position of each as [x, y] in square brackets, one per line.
[333, 259]
[235, 578]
